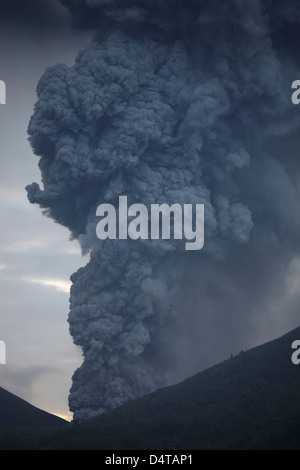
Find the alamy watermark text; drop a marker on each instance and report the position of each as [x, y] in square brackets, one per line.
[2, 353]
[296, 354]
[2, 92]
[160, 222]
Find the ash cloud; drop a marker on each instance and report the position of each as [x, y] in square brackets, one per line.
[36, 14]
[183, 102]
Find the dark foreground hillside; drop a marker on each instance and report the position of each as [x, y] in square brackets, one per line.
[17, 412]
[249, 402]
[21, 424]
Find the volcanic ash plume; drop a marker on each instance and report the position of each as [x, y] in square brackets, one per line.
[172, 102]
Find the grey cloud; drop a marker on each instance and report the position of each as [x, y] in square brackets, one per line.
[33, 13]
[182, 117]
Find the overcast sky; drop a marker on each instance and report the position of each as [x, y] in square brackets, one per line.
[36, 256]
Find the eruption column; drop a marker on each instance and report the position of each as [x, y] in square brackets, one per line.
[172, 102]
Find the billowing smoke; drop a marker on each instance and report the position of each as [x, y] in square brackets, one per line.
[173, 101]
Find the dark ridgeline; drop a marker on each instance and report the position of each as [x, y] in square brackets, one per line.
[250, 401]
[15, 411]
[22, 424]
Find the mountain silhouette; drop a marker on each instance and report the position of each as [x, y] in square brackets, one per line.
[251, 401]
[248, 402]
[15, 412]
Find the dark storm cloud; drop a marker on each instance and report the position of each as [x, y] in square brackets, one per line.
[167, 14]
[176, 103]
[33, 13]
